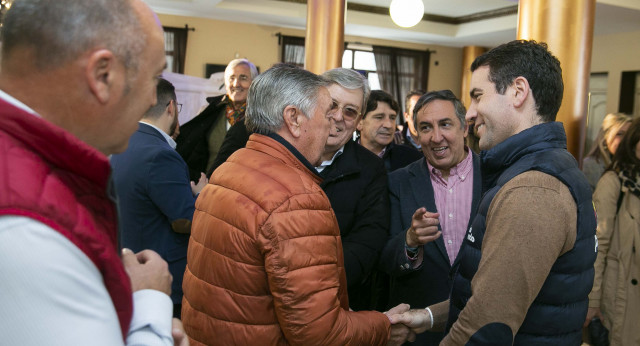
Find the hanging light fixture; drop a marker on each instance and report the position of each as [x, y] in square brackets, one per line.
[5, 5]
[406, 13]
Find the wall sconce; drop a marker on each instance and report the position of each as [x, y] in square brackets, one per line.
[406, 13]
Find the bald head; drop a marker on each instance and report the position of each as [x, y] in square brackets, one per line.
[89, 67]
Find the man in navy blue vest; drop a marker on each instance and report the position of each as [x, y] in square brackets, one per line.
[526, 264]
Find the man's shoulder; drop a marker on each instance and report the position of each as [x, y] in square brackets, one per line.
[364, 156]
[527, 183]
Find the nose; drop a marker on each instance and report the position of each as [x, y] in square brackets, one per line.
[337, 114]
[388, 123]
[436, 135]
[472, 113]
[235, 82]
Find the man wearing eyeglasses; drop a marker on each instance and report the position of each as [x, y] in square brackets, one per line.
[156, 198]
[355, 181]
[200, 138]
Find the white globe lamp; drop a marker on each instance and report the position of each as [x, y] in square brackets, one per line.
[406, 13]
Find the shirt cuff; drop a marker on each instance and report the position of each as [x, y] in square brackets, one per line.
[154, 310]
[430, 317]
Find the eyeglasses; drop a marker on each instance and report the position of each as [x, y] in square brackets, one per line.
[347, 111]
[177, 104]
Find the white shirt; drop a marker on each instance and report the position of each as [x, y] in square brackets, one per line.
[53, 294]
[328, 163]
[166, 137]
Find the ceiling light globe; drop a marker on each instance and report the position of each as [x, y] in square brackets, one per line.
[406, 13]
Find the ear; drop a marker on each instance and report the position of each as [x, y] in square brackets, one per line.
[171, 108]
[466, 129]
[521, 91]
[292, 120]
[359, 124]
[100, 74]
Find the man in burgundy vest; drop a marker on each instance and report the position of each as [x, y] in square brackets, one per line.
[71, 94]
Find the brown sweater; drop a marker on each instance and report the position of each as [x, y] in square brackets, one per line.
[531, 222]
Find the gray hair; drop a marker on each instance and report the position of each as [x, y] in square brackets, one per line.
[274, 90]
[444, 95]
[235, 62]
[59, 31]
[350, 79]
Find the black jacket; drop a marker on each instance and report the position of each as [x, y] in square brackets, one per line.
[397, 156]
[192, 142]
[356, 184]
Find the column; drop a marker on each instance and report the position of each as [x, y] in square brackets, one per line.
[567, 27]
[324, 43]
[469, 54]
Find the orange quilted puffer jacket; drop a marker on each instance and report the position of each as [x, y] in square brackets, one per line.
[265, 263]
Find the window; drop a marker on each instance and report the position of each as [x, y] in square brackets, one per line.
[364, 62]
[394, 70]
[175, 48]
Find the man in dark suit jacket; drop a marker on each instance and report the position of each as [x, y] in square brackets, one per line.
[156, 198]
[433, 201]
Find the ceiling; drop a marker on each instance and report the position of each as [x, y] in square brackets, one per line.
[454, 23]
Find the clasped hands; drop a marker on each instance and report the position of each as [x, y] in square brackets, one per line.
[406, 323]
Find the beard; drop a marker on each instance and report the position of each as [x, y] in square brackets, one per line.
[174, 127]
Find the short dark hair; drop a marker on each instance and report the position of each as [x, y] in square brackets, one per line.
[625, 157]
[533, 61]
[444, 95]
[412, 93]
[380, 96]
[166, 92]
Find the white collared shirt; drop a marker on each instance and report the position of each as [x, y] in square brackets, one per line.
[328, 163]
[168, 138]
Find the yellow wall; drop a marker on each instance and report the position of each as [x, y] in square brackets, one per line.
[218, 42]
[614, 54]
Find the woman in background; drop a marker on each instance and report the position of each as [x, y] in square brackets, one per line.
[604, 146]
[615, 297]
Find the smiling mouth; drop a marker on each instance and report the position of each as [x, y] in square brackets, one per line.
[439, 150]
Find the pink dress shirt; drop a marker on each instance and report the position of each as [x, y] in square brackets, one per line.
[453, 200]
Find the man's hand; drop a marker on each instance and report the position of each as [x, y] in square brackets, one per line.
[178, 334]
[591, 313]
[399, 332]
[147, 270]
[417, 320]
[202, 182]
[424, 228]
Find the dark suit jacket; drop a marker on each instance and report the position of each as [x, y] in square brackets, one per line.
[192, 141]
[410, 188]
[397, 156]
[153, 188]
[356, 185]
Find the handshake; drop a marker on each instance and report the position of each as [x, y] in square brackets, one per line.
[406, 323]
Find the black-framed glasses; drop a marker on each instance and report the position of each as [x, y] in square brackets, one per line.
[177, 104]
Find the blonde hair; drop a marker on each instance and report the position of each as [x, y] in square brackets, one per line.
[610, 126]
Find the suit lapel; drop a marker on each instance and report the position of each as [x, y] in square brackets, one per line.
[422, 191]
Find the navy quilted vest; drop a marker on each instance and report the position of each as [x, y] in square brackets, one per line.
[558, 312]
